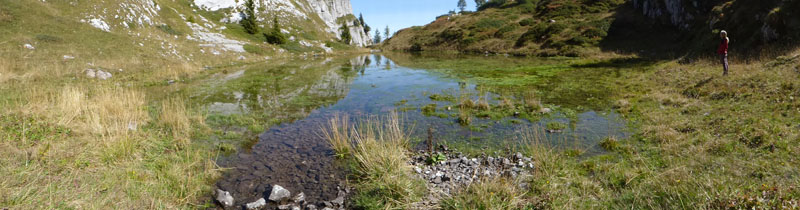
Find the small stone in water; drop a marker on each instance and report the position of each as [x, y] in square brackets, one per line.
[338, 201]
[279, 193]
[284, 207]
[299, 198]
[224, 197]
[256, 204]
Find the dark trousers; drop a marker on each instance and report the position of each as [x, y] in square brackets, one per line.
[724, 59]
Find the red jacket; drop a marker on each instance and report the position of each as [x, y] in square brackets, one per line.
[723, 47]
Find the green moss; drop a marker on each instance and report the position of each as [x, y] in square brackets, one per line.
[555, 126]
[442, 97]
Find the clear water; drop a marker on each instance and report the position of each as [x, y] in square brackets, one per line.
[302, 95]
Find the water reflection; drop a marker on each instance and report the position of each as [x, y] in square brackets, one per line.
[304, 94]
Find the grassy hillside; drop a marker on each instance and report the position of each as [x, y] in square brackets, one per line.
[700, 140]
[587, 27]
[547, 28]
[133, 141]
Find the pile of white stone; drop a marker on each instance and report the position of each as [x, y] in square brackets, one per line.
[284, 200]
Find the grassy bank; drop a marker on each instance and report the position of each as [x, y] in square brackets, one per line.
[88, 144]
[701, 140]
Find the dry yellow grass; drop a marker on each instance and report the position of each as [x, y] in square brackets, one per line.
[379, 149]
[338, 135]
[489, 194]
[530, 100]
[174, 117]
[6, 66]
[89, 144]
[109, 111]
[176, 71]
[106, 159]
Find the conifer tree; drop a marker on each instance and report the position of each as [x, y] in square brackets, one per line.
[248, 22]
[386, 32]
[378, 38]
[479, 3]
[462, 5]
[345, 36]
[367, 29]
[275, 36]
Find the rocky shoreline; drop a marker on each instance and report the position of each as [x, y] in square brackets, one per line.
[444, 171]
[455, 170]
[282, 199]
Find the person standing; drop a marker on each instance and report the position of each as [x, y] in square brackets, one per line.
[722, 51]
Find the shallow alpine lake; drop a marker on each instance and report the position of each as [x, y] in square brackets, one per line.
[268, 117]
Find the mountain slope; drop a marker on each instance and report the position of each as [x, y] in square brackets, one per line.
[548, 27]
[330, 14]
[182, 30]
[585, 27]
[94, 96]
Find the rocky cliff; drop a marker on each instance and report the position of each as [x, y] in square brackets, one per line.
[329, 14]
[753, 23]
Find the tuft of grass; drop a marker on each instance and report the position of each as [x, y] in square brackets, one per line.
[495, 193]
[555, 126]
[338, 135]
[379, 153]
[610, 143]
[464, 117]
[442, 97]
[109, 111]
[174, 117]
[531, 102]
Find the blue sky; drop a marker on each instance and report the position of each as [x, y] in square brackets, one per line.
[399, 14]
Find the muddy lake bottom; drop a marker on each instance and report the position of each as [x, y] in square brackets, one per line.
[305, 94]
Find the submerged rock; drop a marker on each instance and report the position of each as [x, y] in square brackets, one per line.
[299, 198]
[224, 198]
[338, 201]
[288, 207]
[279, 193]
[256, 204]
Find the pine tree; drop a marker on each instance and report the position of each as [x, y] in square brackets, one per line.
[248, 22]
[479, 3]
[462, 5]
[378, 38]
[346, 37]
[276, 26]
[385, 32]
[275, 36]
[367, 29]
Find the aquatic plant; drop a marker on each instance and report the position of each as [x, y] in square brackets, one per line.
[555, 126]
[436, 158]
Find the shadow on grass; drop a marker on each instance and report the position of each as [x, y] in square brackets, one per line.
[628, 62]
[632, 32]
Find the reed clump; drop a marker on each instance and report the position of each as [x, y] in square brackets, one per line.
[378, 150]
